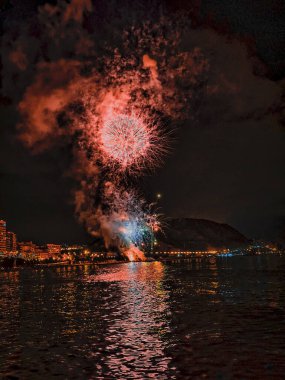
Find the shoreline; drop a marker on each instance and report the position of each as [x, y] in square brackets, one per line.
[61, 264]
[114, 261]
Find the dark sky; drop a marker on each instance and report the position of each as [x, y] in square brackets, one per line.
[227, 160]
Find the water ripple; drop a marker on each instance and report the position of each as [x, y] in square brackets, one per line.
[213, 318]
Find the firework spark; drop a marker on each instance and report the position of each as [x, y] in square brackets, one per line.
[130, 143]
[136, 233]
[139, 229]
[129, 217]
[125, 140]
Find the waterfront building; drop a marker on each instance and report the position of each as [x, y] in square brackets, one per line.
[54, 248]
[28, 250]
[74, 249]
[2, 236]
[42, 253]
[11, 242]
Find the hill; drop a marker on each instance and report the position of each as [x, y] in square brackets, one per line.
[199, 234]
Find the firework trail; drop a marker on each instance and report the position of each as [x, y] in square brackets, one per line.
[105, 96]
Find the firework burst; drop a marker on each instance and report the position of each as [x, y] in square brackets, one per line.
[138, 230]
[130, 143]
[129, 219]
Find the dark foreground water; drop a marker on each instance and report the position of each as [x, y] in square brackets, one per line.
[210, 318]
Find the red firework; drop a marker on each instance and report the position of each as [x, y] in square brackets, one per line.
[130, 143]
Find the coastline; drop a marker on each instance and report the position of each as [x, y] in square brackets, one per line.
[165, 260]
[61, 264]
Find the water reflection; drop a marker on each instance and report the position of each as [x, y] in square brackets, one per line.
[213, 318]
[137, 336]
[9, 316]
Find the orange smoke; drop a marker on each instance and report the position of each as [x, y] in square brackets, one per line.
[51, 91]
[76, 9]
[133, 253]
[151, 64]
[19, 59]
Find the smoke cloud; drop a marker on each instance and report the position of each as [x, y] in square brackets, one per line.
[74, 81]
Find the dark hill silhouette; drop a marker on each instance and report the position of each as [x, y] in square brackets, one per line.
[199, 234]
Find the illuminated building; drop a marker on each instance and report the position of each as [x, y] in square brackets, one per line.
[75, 249]
[11, 242]
[2, 236]
[53, 249]
[42, 253]
[28, 250]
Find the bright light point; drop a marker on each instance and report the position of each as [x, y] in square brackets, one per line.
[158, 195]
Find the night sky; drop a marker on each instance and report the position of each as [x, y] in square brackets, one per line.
[227, 157]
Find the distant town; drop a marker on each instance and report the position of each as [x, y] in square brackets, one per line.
[15, 252]
[28, 251]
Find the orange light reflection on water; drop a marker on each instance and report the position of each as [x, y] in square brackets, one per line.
[137, 340]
